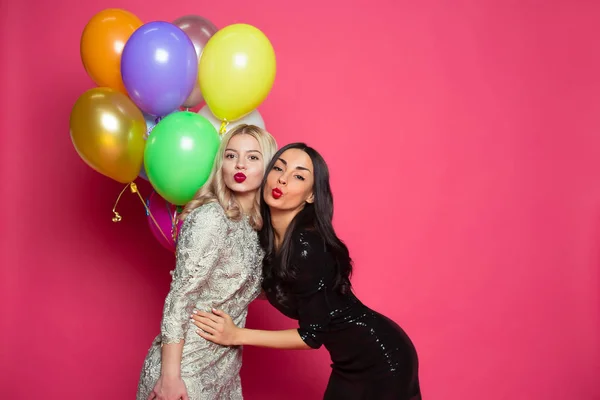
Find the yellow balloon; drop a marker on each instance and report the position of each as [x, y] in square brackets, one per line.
[236, 71]
[107, 130]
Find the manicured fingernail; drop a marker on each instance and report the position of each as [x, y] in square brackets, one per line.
[195, 311]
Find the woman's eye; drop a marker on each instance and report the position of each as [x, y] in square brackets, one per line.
[299, 177]
[229, 156]
[276, 168]
[254, 158]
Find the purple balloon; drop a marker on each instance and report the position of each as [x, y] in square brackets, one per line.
[165, 215]
[159, 67]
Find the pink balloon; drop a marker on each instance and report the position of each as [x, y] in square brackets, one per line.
[165, 215]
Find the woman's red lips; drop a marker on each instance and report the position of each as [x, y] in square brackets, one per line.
[239, 177]
[277, 193]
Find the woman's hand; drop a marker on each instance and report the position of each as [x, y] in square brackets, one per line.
[169, 388]
[216, 327]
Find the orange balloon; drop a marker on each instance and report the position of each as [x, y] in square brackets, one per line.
[102, 44]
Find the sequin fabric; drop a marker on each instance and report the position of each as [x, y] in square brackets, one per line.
[218, 266]
[373, 358]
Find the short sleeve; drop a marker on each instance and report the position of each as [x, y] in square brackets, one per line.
[200, 240]
[314, 271]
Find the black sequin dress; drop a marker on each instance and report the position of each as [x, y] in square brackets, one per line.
[373, 358]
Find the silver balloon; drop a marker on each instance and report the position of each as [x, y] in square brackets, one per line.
[199, 30]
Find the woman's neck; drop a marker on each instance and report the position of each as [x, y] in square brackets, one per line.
[246, 201]
[280, 221]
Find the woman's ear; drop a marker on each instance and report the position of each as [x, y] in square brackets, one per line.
[311, 198]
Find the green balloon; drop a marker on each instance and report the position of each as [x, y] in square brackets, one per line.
[179, 155]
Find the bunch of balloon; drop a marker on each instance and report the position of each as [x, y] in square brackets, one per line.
[131, 125]
[236, 73]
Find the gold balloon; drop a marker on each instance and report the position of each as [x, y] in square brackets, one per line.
[107, 130]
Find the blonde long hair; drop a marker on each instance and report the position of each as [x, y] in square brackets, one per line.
[215, 190]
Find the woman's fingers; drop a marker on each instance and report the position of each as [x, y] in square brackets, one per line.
[211, 316]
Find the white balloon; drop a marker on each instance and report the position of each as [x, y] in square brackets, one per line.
[254, 118]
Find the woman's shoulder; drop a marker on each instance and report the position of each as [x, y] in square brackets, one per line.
[204, 227]
[311, 258]
[307, 234]
[308, 243]
[208, 213]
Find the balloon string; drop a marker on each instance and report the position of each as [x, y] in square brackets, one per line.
[133, 187]
[223, 129]
[174, 226]
[117, 217]
[173, 221]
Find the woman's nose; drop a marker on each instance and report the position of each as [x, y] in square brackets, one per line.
[240, 164]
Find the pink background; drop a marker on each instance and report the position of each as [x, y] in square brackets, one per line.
[464, 143]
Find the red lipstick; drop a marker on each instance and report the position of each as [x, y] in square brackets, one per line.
[276, 193]
[239, 177]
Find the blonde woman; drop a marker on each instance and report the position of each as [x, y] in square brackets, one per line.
[219, 265]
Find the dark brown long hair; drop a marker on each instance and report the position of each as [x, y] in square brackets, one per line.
[278, 265]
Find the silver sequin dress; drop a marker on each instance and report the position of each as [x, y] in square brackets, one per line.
[218, 266]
